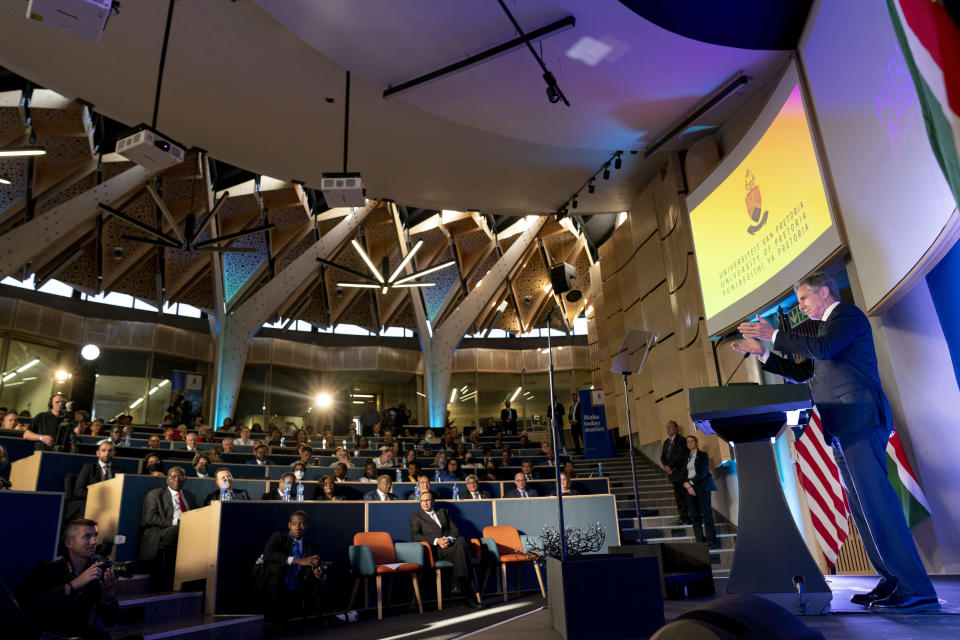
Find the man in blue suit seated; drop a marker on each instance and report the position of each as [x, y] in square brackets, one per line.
[841, 367]
[520, 490]
[382, 493]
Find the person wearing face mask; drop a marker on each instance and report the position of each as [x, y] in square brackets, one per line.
[201, 464]
[153, 466]
[160, 527]
[299, 471]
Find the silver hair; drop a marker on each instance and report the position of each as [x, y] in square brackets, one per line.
[818, 280]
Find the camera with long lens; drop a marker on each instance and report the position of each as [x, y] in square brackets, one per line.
[121, 569]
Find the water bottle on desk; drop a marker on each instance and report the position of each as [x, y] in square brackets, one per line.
[323, 443]
[126, 441]
[456, 492]
[599, 469]
[282, 440]
[416, 492]
[224, 495]
[286, 492]
[436, 475]
[399, 475]
[299, 492]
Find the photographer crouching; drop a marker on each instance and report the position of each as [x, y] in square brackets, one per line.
[62, 597]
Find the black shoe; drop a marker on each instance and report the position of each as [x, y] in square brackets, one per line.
[879, 592]
[898, 602]
[679, 522]
[471, 602]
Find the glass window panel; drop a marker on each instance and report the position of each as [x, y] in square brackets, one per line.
[463, 408]
[139, 304]
[252, 399]
[118, 299]
[492, 390]
[116, 395]
[28, 379]
[188, 311]
[159, 398]
[57, 288]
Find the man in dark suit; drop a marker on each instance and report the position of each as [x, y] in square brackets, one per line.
[294, 579]
[558, 412]
[260, 456]
[845, 384]
[526, 468]
[160, 527]
[285, 489]
[520, 488]
[673, 456]
[508, 419]
[90, 473]
[576, 423]
[382, 493]
[474, 492]
[225, 490]
[435, 527]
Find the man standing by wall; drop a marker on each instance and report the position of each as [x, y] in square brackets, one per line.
[673, 456]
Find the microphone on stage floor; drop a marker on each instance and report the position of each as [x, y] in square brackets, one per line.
[745, 356]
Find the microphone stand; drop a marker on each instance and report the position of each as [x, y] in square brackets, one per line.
[554, 431]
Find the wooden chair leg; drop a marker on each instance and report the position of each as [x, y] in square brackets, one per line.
[416, 591]
[439, 590]
[379, 597]
[536, 569]
[353, 594]
[519, 566]
[504, 577]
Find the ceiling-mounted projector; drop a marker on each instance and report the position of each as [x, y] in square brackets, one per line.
[342, 190]
[150, 149]
[83, 18]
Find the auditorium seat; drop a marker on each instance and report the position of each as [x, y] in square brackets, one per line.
[374, 553]
[505, 545]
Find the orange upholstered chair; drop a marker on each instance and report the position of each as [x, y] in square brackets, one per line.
[504, 544]
[374, 553]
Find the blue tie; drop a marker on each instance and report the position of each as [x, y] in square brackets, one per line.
[294, 569]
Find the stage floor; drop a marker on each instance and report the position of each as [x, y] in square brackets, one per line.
[527, 618]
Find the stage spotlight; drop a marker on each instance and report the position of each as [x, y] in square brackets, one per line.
[591, 187]
[617, 163]
[606, 172]
[90, 352]
[553, 92]
[61, 375]
[324, 400]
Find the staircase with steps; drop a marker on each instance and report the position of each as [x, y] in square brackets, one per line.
[173, 614]
[658, 508]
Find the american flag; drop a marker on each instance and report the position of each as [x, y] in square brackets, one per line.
[820, 480]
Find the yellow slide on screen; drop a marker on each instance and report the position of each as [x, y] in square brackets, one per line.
[769, 209]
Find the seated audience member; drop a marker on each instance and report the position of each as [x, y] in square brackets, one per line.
[370, 473]
[565, 487]
[227, 445]
[256, 428]
[96, 427]
[362, 443]
[343, 457]
[493, 473]
[340, 473]
[461, 450]
[260, 455]
[413, 471]
[440, 460]
[474, 492]
[326, 489]
[299, 471]
[435, 527]
[153, 465]
[505, 458]
[423, 485]
[201, 464]
[410, 456]
[385, 460]
[191, 441]
[306, 456]
[82, 418]
[153, 442]
[294, 579]
[498, 443]
[116, 435]
[470, 462]
[170, 434]
[302, 436]
[286, 489]
[60, 597]
[569, 469]
[160, 527]
[227, 425]
[452, 471]
[205, 434]
[475, 439]
[491, 427]
[487, 455]
[526, 468]
[524, 441]
[94, 472]
[216, 454]
[274, 438]
[225, 490]
[244, 439]
[382, 493]
[10, 422]
[520, 488]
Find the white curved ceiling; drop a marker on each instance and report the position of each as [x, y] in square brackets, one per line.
[250, 82]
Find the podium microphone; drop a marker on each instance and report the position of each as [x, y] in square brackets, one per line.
[745, 356]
